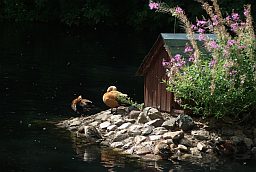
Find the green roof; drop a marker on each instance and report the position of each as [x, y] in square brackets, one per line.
[176, 42]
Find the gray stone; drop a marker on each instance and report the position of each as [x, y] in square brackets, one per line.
[111, 127]
[239, 133]
[175, 136]
[139, 139]
[80, 129]
[185, 122]
[253, 150]
[185, 141]
[169, 124]
[134, 130]
[163, 150]
[155, 137]
[120, 137]
[134, 114]
[159, 130]
[116, 144]
[135, 127]
[91, 133]
[95, 123]
[254, 141]
[152, 113]
[127, 145]
[105, 124]
[75, 122]
[115, 118]
[124, 126]
[109, 134]
[182, 148]
[129, 151]
[103, 116]
[119, 122]
[134, 133]
[195, 152]
[236, 139]
[121, 110]
[146, 130]
[155, 123]
[227, 131]
[254, 132]
[143, 150]
[248, 142]
[200, 134]
[130, 120]
[142, 118]
[201, 146]
[168, 141]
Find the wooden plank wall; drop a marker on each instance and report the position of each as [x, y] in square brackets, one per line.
[155, 94]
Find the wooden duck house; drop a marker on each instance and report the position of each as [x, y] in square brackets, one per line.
[155, 94]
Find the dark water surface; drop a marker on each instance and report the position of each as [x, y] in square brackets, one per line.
[42, 68]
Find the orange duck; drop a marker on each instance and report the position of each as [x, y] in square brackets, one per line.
[112, 98]
[80, 105]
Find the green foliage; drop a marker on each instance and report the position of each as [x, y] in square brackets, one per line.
[124, 100]
[222, 81]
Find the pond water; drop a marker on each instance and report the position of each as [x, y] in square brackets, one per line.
[42, 68]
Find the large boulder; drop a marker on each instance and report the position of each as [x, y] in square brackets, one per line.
[185, 122]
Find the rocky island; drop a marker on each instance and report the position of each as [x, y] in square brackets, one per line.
[155, 135]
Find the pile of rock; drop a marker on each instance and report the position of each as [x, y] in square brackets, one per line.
[155, 135]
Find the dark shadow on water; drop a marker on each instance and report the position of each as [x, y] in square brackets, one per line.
[42, 68]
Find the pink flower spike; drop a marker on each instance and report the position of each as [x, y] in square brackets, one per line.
[153, 5]
[188, 49]
[246, 12]
[177, 57]
[200, 30]
[213, 44]
[193, 27]
[191, 58]
[234, 27]
[212, 63]
[201, 37]
[231, 42]
[235, 16]
[201, 23]
[165, 63]
[178, 10]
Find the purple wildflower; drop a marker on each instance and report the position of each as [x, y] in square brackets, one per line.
[212, 63]
[188, 49]
[153, 5]
[179, 10]
[226, 52]
[228, 19]
[235, 16]
[201, 37]
[241, 47]
[246, 12]
[165, 63]
[201, 22]
[231, 42]
[234, 27]
[215, 21]
[213, 44]
[191, 58]
[200, 30]
[193, 27]
[177, 57]
[232, 72]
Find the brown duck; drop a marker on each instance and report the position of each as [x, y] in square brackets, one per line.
[81, 106]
